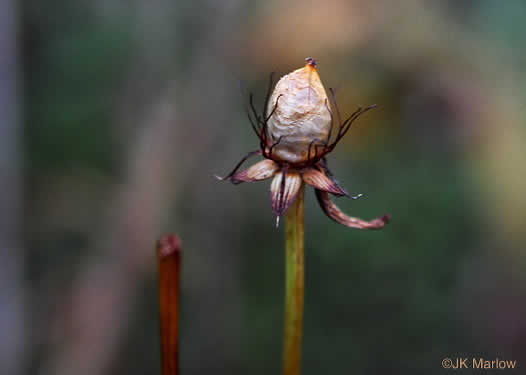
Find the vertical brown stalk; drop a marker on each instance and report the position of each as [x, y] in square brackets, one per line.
[169, 254]
[294, 284]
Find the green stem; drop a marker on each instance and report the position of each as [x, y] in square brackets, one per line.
[294, 284]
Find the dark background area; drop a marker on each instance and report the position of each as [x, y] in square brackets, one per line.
[116, 115]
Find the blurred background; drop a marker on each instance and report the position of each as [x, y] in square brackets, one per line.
[116, 115]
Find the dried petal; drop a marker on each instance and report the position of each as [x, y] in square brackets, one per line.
[284, 193]
[247, 156]
[319, 180]
[301, 114]
[332, 211]
[258, 172]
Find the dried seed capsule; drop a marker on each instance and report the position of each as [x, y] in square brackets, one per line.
[294, 134]
[301, 116]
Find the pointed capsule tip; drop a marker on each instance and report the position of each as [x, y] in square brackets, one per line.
[277, 221]
[311, 61]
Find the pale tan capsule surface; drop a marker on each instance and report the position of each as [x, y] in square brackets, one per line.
[301, 115]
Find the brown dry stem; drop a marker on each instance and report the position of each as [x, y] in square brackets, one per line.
[169, 254]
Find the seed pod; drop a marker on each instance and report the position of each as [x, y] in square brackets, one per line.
[294, 134]
[301, 115]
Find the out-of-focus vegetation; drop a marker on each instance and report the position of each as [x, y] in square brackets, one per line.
[129, 108]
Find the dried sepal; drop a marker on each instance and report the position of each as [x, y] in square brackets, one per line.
[319, 180]
[333, 212]
[238, 165]
[258, 172]
[284, 192]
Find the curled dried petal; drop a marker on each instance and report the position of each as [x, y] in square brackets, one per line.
[284, 193]
[333, 212]
[258, 172]
[319, 180]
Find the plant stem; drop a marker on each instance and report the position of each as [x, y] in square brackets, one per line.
[294, 284]
[169, 254]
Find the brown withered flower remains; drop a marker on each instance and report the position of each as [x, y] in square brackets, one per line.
[295, 134]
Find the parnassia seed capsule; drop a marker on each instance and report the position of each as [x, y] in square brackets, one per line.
[301, 114]
[295, 133]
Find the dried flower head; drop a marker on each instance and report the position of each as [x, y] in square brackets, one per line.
[295, 134]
